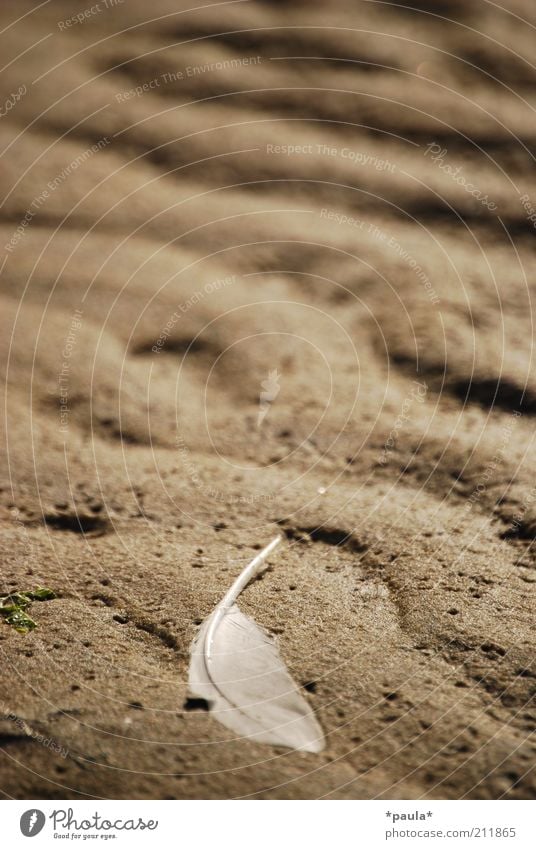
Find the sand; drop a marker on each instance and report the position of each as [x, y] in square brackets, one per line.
[333, 205]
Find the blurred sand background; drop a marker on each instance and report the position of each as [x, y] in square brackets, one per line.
[340, 193]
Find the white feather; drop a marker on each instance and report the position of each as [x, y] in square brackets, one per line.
[236, 667]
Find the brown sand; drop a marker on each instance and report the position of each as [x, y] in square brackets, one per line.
[404, 597]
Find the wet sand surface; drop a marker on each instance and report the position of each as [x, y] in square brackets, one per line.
[275, 273]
